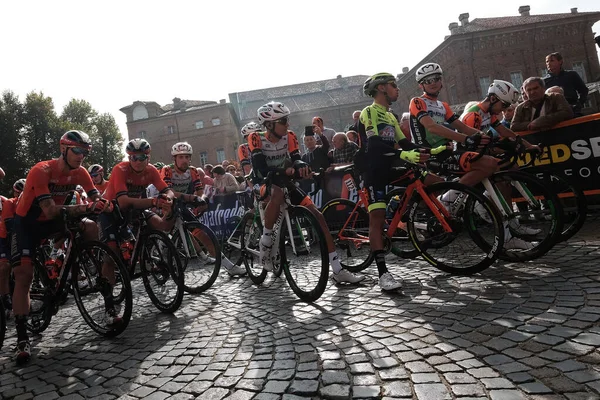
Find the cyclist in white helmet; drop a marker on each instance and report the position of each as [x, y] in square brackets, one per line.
[243, 150]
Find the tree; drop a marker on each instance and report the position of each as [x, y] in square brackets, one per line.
[79, 114]
[41, 128]
[11, 126]
[107, 142]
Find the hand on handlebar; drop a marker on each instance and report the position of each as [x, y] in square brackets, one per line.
[99, 206]
[415, 156]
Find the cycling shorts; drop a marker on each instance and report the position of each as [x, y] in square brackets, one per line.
[28, 235]
[112, 230]
[297, 195]
[378, 177]
[454, 162]
[5, 248]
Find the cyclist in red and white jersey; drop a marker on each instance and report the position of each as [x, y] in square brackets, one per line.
[244, 150]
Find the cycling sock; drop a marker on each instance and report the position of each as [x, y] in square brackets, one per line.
[334, 260]
[507, 234]
[21, 323]
[226, 262]
[380, 261]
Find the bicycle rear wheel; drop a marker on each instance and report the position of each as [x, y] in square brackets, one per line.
[200, 268]
[303, 254]
[162, 273]
[349, 227]
[475, 237]
[251, 233]
[41, 304]
[90, 289]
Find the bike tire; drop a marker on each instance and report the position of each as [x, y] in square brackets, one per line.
[354, 255]
[228, 247]
[251, 233]
[41, 299]
[199, 276]
[471, 246]
[89, 297]
[547, 214]
[307, 237]
[401, 245]
[161, 267]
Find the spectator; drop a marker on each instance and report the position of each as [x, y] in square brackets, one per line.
[355, 121]
[317, 122]
[507, 115]
[208, 168]
[555, 89]
[352, 136]
[404, 125]
[575, 90]
[343, 150]
[224, 182]
[316, 155]
[541, 111]
[231, 169]
[225, 163]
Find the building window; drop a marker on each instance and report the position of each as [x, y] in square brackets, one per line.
[216, 121]
[170, 129]
[142, 135]
[484, 83]
[516, 78]
[578, 67]
[453, 95]
[203, 158]
[199, 124]
[220, 155]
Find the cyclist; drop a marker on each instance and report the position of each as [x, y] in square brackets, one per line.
[7, 214]
[97, 173]
[38, 217]
[483, 116]
[379, 134]
[277, 150]
[244, 151]
[188, 182]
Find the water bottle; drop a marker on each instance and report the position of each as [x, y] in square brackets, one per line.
[126, 249]
[392, 206]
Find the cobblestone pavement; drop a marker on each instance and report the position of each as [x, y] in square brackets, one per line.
[517, 331]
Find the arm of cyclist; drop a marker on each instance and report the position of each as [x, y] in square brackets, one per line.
[507, 133]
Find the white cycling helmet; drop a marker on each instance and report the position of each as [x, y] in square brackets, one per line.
[428, 69]
[504, 90]
[181, 148]
[272, 111]
[249, 128]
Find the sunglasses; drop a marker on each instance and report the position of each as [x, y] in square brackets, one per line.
[506, 104]
[139, 157]
[283, 121]
[393, 84]
[79, 151]
[429, 81]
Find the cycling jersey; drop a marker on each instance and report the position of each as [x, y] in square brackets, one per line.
[244, 154]
[476, 118]
[278, 155]
[102, 186]
[438, 110]
[187, 182]
[379, 122]
[125, 181]
[48, 180]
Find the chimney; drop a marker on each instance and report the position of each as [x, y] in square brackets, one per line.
[404, 70]
[339, 77]
[222, 101]
[574, 10]
[453, 27]
[464, 19]
[524, 11]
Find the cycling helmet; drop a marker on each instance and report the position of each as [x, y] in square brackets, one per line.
[95, 169]
[19, 185]
[159, 165]
[370, 85]
[76, 139]
[272, 111]
[79, 188]
[249, 128]
[428, 69]
[137, 145]
[504, 90]
[182, 148]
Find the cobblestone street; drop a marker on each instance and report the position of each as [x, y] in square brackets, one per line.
[516, 331]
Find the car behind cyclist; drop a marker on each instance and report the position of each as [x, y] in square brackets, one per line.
[276, 150]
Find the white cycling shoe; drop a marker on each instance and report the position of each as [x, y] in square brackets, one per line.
[348, 277]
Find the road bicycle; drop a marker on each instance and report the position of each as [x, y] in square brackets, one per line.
[81, 270]
[299, 244]
[447, 232]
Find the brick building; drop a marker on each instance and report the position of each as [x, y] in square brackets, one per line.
[334, 100]
[211, 128]
[511, 48]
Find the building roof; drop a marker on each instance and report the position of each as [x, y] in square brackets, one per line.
[189, 104]
[302, 96]
[138, 102]
[484, 24]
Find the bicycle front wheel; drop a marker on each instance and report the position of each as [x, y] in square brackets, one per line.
[91, 290]
[456, 228]
[349, 227]
[250, 238]
[200, 256]
[162, 273]
[303, 254]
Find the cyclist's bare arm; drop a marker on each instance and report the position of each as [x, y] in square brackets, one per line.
[440, 130]
[51, 210]
[141, 204]
[463, 128]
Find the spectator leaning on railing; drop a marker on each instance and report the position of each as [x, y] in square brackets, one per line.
[224, 182]
[541, 111]
[343, 150]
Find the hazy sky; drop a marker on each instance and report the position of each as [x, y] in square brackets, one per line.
[112, 53]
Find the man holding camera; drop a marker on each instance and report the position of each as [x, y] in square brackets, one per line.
[319, 129]
[316, 154]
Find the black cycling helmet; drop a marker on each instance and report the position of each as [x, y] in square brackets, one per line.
[95, 169]
[137, 146]
[370, 85]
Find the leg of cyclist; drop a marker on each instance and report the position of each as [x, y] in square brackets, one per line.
[272, 213]
[108, 279]
[230, 267]
[5, 296]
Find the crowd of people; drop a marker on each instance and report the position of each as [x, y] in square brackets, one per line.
[429, 133]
